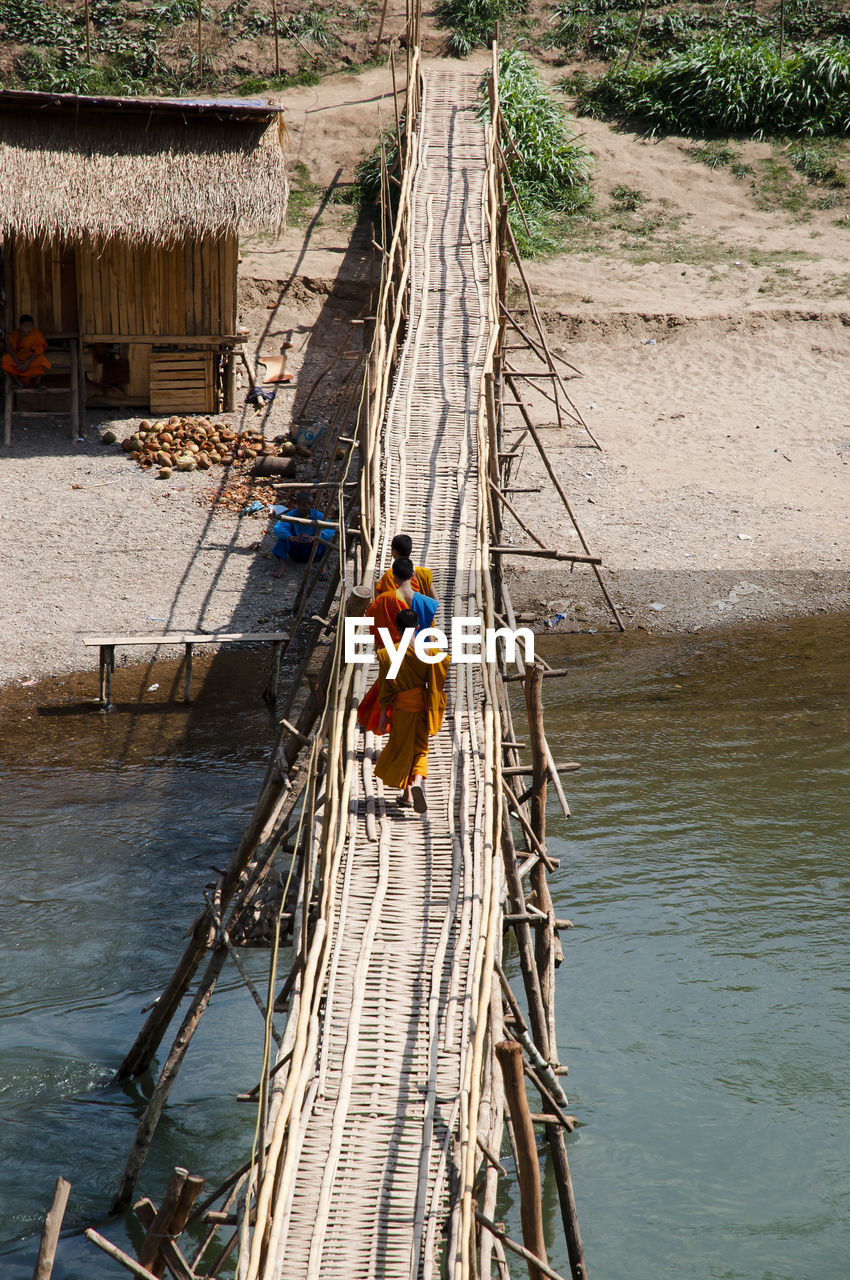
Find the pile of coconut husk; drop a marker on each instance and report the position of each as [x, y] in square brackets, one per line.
[197, 444]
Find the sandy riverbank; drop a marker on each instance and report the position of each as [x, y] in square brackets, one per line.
[712, 343]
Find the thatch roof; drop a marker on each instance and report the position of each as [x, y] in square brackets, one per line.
[151, 172]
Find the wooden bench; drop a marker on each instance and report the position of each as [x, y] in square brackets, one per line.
[63, 359]
[108, 644]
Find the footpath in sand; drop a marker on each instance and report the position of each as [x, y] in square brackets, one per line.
[712, 333]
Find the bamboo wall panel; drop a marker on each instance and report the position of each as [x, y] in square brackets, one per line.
[114, 288]
[44, 285]
[189, 289]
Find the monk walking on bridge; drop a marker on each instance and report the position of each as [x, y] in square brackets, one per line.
[412, 708]
[401, 548]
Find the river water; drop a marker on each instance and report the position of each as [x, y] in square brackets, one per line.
[703, 1005]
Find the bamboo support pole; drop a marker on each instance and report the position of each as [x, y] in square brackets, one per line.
[566, 1198]
[149, 1038]
[50, 1231]
[544, 341]
[276, 38]
[525, 946]
[169, 1254]
[118, 1255]
[512, 509]
[528, 342]
[544, 941]
[531, 1258]
[509, 1055]
[149, 1253]
[167, 1076]
[532, 430]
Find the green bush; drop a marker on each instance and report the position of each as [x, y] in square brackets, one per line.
[36, 23]
[471, 22]
[42, 70]
[732, 88]
[367, 179]
[172, 13]
[553, 177]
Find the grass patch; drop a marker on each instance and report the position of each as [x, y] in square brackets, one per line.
[715, 154]
[776, 187]
[303, 194]
[251, 86]
[628, 197]
[552, 179]
[718, 84]
[819, 163]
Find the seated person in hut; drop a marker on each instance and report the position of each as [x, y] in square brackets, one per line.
[295, 540]
[24, 359]
[422, 580]
[402, 595]
[412, 707]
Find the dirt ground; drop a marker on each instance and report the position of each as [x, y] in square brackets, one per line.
[710, 324]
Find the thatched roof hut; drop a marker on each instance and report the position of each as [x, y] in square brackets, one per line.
[149, 170]
[119, 221]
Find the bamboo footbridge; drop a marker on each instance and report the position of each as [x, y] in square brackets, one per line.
[405, 1058]
[391, 1068]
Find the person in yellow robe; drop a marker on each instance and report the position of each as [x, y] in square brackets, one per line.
[24, 359]
[423, 579]
[412, 708]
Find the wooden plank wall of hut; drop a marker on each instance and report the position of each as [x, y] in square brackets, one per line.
[44, 284]
[187, 289]
[115, 292]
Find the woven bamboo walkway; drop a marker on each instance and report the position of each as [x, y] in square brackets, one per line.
[373, 1158]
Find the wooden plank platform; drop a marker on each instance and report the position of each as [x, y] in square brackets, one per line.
[108, 644]
[189, 637]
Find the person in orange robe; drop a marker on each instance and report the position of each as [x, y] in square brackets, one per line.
[402, 595]
[423, 579]
[412, 708]
[385, 610]
[24, 359]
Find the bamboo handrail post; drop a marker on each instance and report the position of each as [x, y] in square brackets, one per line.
[50, 1231]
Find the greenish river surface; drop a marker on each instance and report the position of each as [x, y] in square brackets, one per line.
[703, 1000]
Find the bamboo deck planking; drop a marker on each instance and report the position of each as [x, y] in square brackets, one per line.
[373, 1142]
